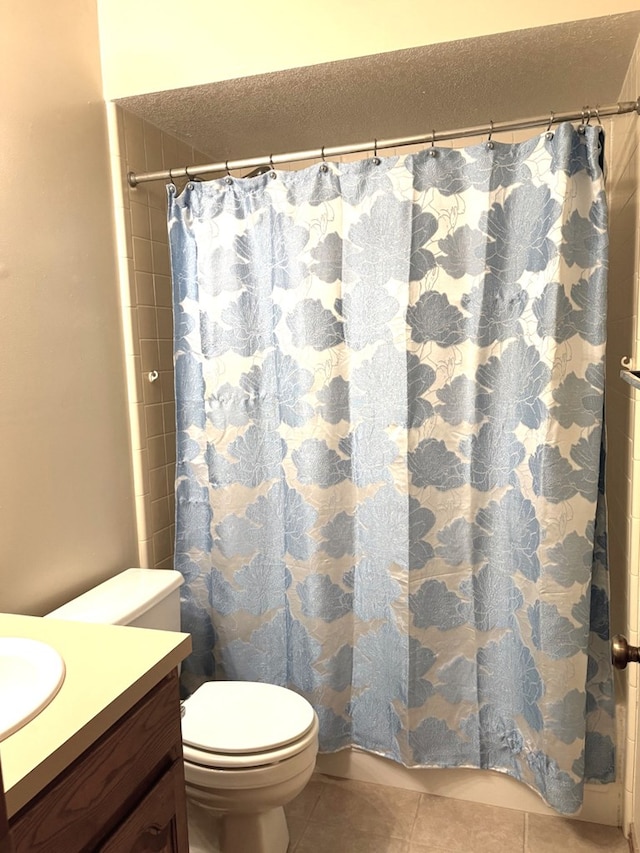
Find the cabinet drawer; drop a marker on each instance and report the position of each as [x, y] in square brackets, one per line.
[156, 825]
[83, 805]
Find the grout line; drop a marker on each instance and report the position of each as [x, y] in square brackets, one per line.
[315, 805]
[415, 819]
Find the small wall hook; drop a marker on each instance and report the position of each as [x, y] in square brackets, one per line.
[153, 375]
[628, 374]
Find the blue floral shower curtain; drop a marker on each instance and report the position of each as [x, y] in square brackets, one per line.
[389, 384]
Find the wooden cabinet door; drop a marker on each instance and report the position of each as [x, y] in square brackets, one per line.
[156, 825]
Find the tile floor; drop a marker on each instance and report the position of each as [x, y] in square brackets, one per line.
[341, 816]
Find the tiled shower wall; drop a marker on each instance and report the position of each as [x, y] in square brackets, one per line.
[145, 282]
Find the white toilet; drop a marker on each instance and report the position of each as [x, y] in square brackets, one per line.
[249, 748]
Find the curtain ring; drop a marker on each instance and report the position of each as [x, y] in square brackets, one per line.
[323, 165]
[549, 133]
[597, 112]
[186, 172]
[433, 152]
[583, 123]
[272, 173]
[226, 166]
[489, 142]
[376, 159]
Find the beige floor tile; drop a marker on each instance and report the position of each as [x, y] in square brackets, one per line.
[336, 838]
[553, 834]
[296, 828]
[304, 803]
[368, 808]
[467, 827]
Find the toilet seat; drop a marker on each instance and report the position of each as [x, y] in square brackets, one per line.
[238, 724]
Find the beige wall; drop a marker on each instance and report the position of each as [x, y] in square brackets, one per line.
[66, 499]
[150, 47]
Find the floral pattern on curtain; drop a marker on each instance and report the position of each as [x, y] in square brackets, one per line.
[390, 382]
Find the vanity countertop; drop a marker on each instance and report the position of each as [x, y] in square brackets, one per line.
[108, 669]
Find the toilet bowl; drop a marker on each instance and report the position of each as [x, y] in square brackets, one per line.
[249, 748]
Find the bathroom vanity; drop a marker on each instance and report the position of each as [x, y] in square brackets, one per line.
[100, 768]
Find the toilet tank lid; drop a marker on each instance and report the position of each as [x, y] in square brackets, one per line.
[120, 599]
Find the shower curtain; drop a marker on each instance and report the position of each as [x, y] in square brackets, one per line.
[389, 487]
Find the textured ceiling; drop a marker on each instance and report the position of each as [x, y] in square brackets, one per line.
[443, 86]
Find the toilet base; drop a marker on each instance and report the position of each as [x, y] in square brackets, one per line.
[214, 832]
[204, 828]
[265, 832]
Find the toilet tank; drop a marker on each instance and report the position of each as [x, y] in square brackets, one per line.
[141, 598]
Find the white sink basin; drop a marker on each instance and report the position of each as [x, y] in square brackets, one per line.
[31, 673]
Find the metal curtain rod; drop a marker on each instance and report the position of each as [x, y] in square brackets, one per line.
[584, 115]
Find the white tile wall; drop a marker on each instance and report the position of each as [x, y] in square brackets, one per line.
[145, 280]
